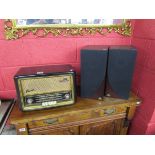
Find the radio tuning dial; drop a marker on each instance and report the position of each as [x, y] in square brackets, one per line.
[29, 101]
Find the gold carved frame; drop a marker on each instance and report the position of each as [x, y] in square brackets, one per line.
[12, 31]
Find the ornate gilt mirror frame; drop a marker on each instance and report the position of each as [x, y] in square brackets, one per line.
[15, 29]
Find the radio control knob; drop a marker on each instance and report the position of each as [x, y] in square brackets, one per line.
[67, 96]
[29, 100]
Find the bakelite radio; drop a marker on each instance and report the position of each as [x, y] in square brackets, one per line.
[45, 87]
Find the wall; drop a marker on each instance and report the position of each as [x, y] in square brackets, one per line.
[144, 77]
[32, 51]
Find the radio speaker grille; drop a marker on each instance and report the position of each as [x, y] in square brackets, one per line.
[50, 84]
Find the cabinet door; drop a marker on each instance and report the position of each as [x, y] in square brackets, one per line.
[57, 131]
[102, 128]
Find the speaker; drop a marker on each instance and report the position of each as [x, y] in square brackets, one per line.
[93, 71]
[121, 61]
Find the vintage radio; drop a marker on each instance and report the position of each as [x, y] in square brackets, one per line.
[45, 87]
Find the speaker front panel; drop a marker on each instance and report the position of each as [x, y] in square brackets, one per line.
[93, 69]
[120, 70]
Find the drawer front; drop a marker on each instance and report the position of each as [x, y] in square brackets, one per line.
[72, 117]
[113, 110]
[45, 122]
[57, 131]
[78, 116]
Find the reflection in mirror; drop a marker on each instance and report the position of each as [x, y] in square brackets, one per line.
[26, 22]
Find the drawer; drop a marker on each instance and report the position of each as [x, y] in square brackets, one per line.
[74, 130]
[71, 117]
[113, 110]
[44, 122]
[78, 116]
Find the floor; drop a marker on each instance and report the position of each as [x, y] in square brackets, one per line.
[5, 110]
[9, 130]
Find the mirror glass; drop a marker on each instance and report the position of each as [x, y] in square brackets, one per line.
[66, 22]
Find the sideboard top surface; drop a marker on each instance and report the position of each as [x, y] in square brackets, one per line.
[82, 104]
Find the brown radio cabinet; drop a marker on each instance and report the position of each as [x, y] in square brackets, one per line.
[85, 117]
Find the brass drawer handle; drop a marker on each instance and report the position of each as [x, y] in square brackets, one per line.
[51, 121]
[109, 111]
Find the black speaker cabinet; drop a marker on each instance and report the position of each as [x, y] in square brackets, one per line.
[121, 60]
[93, 71]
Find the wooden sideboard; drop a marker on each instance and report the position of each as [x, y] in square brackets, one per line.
[85, 117]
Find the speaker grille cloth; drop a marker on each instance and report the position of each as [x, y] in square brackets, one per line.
[49, 84]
